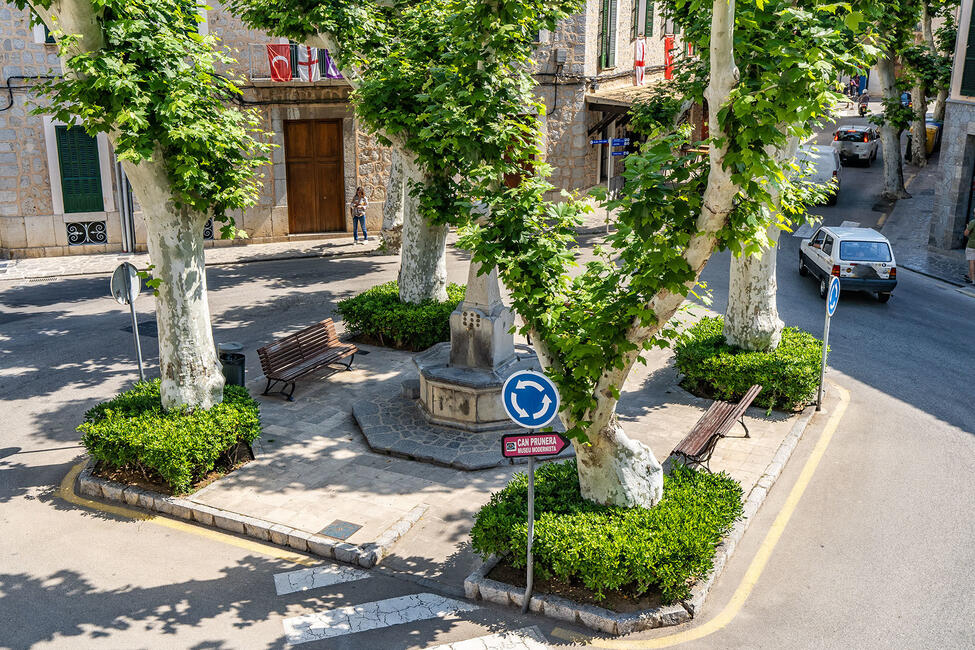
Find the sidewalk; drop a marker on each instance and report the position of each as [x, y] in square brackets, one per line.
[908, 224]
[222, 253]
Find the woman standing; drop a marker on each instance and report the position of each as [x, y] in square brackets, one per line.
[359, 204]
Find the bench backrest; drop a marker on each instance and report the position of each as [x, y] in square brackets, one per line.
[291, 350]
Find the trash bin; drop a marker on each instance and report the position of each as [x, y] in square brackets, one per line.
[232, 358]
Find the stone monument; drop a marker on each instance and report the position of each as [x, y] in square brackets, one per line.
[460, 381]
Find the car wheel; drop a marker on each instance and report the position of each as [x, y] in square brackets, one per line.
[823, 288]
[883, 296]
[803, 271]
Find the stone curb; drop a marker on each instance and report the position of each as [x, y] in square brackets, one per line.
[365, 555]
[478, 586]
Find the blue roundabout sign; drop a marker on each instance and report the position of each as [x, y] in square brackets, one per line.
[833, 295]
[530, 399]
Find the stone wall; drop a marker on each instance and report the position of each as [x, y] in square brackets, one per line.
[953, 190]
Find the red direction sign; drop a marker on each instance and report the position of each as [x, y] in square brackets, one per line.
[518, 445]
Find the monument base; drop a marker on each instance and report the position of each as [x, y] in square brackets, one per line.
[466, 398]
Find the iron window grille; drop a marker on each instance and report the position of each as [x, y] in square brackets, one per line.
[87, 232]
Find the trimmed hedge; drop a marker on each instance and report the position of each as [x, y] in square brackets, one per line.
[133, 432]
[378, 313]
[607, 547]
[789, 375]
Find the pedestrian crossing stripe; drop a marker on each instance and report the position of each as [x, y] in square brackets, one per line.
[315, 577]
[527, 638]
[371, 616]
[850, 224]
[803, 232]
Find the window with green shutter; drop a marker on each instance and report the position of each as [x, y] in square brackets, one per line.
[81, 178]
[641, 18]
[968, 73]
[607, 33]
[648, 20]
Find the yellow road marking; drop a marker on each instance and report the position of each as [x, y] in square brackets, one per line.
[755, 569]
[882, 219]
[66, 492]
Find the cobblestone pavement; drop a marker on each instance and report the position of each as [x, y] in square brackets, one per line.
[908, 224]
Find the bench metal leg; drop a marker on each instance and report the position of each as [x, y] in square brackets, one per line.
[348, 366]
[284, 388]
[268, 387]
[290, 395]
[744, 426]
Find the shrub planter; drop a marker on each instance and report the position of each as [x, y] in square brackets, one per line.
[478, 586]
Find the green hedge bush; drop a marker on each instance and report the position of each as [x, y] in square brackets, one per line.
[378, 313]
[789, 375]
[133, 431]
[612, 548]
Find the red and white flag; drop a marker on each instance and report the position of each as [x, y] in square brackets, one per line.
[639, 61]
[279, 59]
[308, 69]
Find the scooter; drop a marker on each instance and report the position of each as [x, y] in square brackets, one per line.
[862, 109]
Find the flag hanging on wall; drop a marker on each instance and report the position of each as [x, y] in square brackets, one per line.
[308, 69]
[331, 70]
[279, 59]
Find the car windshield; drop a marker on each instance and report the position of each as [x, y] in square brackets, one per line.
[865, 251]
[850, 136]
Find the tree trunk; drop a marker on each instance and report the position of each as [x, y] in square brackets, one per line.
[890, 136]
[751, 320]
[919, 132]
[939, 106]
[188, 364]
[615, 470]
[188, 367]
[396, 191]
[423, 259]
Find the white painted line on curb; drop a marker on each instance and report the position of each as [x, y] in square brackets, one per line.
[370, 616]
[527, 638]
[315, 577]
[850, 224]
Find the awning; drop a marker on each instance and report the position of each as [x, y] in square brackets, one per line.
[618, 99]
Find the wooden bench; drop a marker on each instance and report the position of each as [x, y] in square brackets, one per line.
[303, 353]
[698, 445]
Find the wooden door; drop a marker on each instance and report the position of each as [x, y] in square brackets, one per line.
[316, 184]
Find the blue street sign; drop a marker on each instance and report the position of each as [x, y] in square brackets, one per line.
[621, 153]
[620, 142]
[599, 142]
[833, 295]
[530, 399]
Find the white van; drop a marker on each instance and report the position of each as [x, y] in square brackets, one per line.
[822, 166]
[860, 257]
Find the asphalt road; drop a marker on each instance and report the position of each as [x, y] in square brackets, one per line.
[878, 554]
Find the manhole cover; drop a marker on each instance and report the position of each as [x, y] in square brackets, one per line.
[340, 529]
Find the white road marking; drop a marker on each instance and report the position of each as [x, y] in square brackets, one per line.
[804, 231]
[850, 224]
[527, 638]
[370, 616]
[315, 577]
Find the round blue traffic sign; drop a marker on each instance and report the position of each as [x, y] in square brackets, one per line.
[530, 399]
[833, 295]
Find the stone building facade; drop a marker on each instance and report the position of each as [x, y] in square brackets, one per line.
[954, 196]
[62, 193]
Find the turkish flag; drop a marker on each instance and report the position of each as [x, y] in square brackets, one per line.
[279, 58]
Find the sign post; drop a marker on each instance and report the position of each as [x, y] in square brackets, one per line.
[531, 400]
[832, 299]
[125, 288]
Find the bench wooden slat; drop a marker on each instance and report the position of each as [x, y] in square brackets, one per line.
[698, 445]
[302, 353]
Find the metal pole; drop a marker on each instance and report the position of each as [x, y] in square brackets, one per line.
[135, 326]
[822, 368]
[531, 530]
[610, 134]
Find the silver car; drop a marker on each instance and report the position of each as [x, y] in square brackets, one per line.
[860, 257]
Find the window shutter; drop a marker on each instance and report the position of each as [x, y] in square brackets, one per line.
[968, 73]
[634, 19]
[648, 20]
[603, 32]
[613, 4]
[81, 178]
